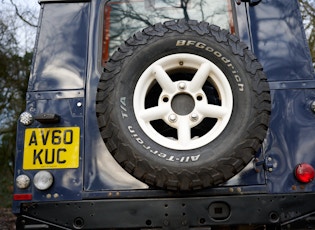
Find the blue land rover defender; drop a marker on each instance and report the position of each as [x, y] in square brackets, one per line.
[168, 114]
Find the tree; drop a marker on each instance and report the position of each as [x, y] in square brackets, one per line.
[308, 14]
[15, 65]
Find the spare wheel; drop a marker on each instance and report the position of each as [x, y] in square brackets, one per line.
[183, 105]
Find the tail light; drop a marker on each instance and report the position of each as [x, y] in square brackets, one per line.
[304, 173]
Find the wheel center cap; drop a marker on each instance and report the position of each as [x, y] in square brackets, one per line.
[183, 104]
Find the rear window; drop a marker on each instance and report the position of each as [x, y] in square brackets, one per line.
[124, 18]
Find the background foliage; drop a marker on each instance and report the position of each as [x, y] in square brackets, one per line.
[17, 35]
[308, 14]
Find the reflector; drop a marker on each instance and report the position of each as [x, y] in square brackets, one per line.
[304, 172]
[22, 197]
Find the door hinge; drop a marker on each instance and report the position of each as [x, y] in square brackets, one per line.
[267, 164]
[251, 2]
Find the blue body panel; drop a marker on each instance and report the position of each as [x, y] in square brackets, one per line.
[56, 86]
[67, 68]
[60, 59]
[279, 43]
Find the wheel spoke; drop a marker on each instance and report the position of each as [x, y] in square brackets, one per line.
[163, 79]
[213, 111]
[153, 113]
[200, 77]
[184, 131]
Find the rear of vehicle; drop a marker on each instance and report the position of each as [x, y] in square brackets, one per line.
[167, 114]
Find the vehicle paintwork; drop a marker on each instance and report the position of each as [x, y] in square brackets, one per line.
[67, 62]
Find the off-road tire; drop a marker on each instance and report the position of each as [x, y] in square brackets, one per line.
[149, 149]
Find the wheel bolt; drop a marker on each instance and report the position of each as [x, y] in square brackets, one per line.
[194, 117]
[172, 118]
[182, 85]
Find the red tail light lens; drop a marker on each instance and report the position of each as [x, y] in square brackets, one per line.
[304, 173]
[22, 197]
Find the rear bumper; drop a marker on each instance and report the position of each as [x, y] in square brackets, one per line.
[294, 211]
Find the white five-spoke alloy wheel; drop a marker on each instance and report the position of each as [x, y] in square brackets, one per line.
[184, 121]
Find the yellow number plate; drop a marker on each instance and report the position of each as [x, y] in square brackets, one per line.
[49, 148]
